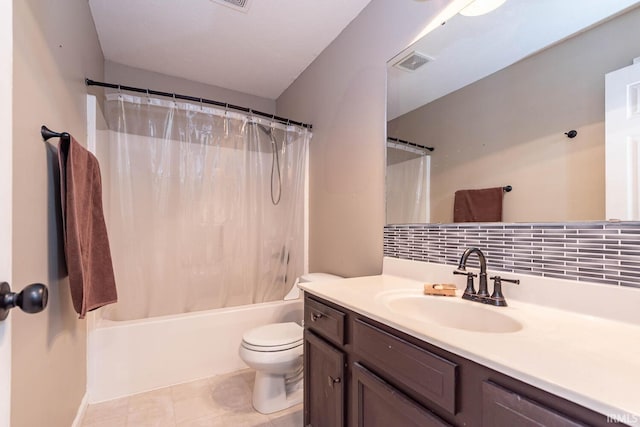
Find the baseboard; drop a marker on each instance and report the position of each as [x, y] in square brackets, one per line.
[77, 421]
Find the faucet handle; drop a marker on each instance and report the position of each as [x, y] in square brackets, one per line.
[466, 273]
[470, 290]
[496, 297]
[502, 279]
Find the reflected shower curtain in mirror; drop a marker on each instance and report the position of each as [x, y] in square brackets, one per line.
[407, 187]
[190, 206]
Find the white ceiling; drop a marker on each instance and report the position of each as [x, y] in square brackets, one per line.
[259, 52]
[467, 49]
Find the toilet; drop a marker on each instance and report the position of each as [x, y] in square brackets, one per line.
[275, 352]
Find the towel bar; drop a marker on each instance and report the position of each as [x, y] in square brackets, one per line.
[48, 133]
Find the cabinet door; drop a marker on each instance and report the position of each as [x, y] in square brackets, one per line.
[504, 408]
[378, 404]
[324, 368]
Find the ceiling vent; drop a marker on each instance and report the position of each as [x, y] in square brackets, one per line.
[413, 61]
[241, 5]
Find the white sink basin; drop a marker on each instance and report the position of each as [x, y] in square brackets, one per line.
[450, 312]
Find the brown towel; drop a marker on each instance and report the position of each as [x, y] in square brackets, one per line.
[85, 234]
[483, 205]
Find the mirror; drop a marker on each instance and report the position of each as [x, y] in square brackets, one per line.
[496, 98]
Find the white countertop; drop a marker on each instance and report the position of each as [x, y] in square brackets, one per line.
[592, 361]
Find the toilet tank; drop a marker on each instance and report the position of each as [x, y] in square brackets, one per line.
[318, 277]
[295, 293]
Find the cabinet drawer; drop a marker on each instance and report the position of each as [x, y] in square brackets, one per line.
[378, 404]
[324, 320]
[421, 371]
[504, 408]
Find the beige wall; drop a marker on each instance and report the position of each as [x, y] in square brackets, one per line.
[343, 94]
[136, 77]
[508, 129]
[55, 47]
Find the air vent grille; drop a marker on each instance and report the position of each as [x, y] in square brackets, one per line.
[237, 3]
[413, 61]
[241, 5]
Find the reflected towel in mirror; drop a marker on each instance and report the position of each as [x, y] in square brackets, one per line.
[483, 205]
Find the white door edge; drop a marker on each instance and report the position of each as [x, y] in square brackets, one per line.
[6, 159]
[622, 143]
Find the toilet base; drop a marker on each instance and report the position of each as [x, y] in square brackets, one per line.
[273, 393]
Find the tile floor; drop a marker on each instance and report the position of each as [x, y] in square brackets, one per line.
[221, 401]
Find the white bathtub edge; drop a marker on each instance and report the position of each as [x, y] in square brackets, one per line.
[132, 357]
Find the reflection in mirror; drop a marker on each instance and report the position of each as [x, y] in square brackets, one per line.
[407, 182]
[495, 98]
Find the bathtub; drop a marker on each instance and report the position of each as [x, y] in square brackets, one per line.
[134, 356]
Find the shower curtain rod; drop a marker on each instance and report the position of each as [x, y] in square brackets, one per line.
[225, 105]
[410, 144]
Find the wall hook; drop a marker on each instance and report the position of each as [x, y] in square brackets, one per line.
[571, 133]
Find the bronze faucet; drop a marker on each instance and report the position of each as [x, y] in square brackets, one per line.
[482, 295]
[462, 266]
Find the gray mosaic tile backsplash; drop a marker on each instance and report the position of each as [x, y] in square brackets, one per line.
[600, 252]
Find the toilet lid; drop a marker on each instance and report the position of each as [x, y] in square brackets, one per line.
[275, 334]
[274, 349]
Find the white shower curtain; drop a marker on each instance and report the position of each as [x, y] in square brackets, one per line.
[190, 211]
[407, 186]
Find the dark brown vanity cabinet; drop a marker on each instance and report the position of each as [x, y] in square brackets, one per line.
[378, 404]
[504, 408]
[359, 372]
[410, 367]
[325, 365]
[324, 388]
[338, 350]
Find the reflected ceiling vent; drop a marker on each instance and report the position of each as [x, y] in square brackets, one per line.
[241, 5]
[413, 61]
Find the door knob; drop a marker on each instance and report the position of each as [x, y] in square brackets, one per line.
[32, 299]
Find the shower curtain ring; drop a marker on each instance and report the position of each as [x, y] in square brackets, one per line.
[148, 97]
[201, 106]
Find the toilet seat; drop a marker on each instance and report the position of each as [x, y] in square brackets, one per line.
[275, 352]
[266, 349]
[273, 337]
